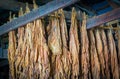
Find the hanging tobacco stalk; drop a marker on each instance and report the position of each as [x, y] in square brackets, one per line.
[95, 65]
[118, 46]
[113, 55]
[66, 57]
[99, 47]
[105, 53]
[74, 45]
[55, 45]
[84, 49]
[11, 51]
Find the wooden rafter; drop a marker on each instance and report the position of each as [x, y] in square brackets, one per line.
[33, 15]
[104, 18]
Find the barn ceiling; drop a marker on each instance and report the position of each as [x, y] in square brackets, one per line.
[92, 7]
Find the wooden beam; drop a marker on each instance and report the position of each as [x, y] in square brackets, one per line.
[35, 14]
[104, 18]
[15, 6]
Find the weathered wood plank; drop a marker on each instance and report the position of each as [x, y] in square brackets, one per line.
[40, 12]
[101, 19]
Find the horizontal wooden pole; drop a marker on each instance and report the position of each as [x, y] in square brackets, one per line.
[33, 15]
[104, 18]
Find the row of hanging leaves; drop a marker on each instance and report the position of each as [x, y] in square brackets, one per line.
[37, 51]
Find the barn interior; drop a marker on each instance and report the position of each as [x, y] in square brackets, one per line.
[91, 7]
